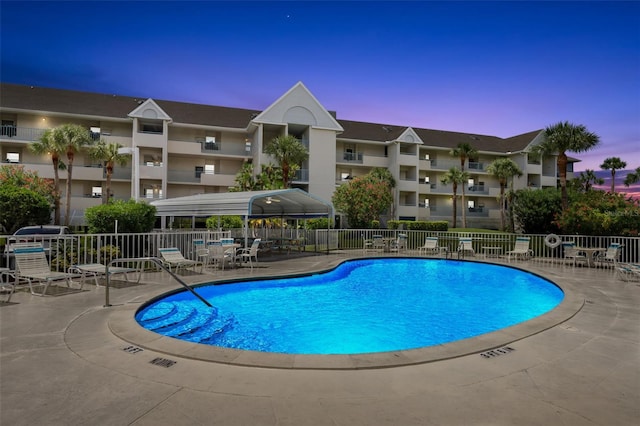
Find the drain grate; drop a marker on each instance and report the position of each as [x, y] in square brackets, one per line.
[497, 352]
[132, 349]
[163, 362]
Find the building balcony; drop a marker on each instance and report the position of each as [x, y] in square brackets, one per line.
[23, 134]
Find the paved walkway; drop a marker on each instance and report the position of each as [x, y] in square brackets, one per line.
[61, 364]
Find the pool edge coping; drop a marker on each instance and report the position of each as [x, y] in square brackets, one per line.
[122, 324]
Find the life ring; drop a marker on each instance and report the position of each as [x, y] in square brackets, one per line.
[552, 240]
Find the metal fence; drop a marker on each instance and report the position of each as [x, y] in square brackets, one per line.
[64, 251]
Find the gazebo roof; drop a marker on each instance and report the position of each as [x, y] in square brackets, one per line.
[291, 203]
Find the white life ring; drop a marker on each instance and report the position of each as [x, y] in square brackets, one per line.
[552, 240]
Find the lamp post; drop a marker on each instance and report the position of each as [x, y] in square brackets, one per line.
[135, 154]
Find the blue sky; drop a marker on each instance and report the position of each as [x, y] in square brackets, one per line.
[496, 68]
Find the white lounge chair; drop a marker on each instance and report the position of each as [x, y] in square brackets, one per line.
[173, 259]
[609, 257]
[521, 249]
[97, 270]
[465, 245]
[628, 272]
[430, 246]
[247, 254]
[32, 266]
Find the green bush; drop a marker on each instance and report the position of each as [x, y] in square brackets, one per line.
[225, 222]
[22, 207]
[419, 225]
[132, 217]
[320, 223]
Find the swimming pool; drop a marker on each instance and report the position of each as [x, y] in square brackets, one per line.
[362, 306]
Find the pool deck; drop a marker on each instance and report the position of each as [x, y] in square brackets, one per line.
[62, 364]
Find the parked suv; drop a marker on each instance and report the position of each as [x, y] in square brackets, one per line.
[38, 234]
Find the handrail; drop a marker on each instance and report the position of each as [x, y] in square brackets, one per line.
[158, 262]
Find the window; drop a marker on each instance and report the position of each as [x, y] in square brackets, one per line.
[471, 204]
[8, 128]
[151, 127]
[153, 192]
[426, 203]
[96, 192]
[210, 143]
[471, 183]
[199, 170]
[345, 176]
[247, 145]
[427, 157]
[95, 132]
[209, 169]
[426, 179]
[13, 157]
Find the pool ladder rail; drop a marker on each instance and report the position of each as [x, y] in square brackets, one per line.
[157, 262]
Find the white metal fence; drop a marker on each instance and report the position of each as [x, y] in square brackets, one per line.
[64, 251]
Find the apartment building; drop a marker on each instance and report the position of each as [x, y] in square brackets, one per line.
[180, 149]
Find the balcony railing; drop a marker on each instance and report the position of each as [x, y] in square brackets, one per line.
[302, 175]
[350, 157]
[27, 134]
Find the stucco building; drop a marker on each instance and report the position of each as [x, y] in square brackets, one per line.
[185, 149]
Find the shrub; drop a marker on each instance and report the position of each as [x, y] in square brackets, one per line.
[22, 207]
[132, 217]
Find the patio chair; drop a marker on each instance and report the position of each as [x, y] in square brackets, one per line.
[173, 259]
[249, 253]
[32, 266]
[465, 245]
[378, 243]
[430, 246]
[628, 272]
[218, 254]
[521, 249]
[399, 243]
[609, 257]
[574, 255]
[98, 270]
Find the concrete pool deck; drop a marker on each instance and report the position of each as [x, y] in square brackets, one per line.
[62, 364]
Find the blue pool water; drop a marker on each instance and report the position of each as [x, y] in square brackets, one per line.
[362, 306]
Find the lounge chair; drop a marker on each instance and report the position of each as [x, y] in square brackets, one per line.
[574, 255]
[609, 257]
[628, 272]
[97, 270]
[32, 266]
[465, 245]
[430, 246]
[174, 260]
[521, 249]
[249, 253]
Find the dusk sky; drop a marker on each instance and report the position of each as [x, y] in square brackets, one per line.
[494, 68]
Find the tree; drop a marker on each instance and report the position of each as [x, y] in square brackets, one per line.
[132, 216]
[560, 138]
[288, 152]
[244, 179]
[108, 153]
[362, 200]
[535, 210]
[51, 144]
[22, 207]
[503, 169]
[383, 174]
[613, 164]
[74, 138]
[21, 178]
[463, 151]
[455, 176]
[586, 181]
[632, 177]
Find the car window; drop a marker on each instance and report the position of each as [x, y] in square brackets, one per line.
[39, 231]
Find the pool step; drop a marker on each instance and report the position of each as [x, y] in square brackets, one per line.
[211, 331]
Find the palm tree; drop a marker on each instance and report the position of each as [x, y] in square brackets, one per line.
[560, 138]
[503, 169]
[586, 180]
[244, 179]
[632, 177]
[287, 151]
[109, 154]
[463, 151]
[49, 144]
[613, 164]
[455, 176]
[74, 138]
